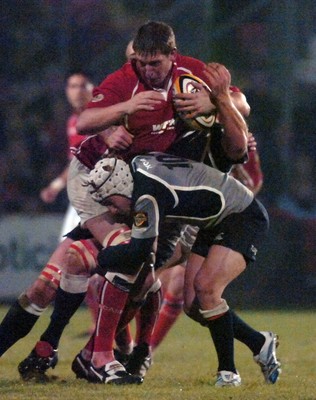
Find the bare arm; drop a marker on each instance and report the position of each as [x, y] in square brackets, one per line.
[50, 192]
[240, 102]
[94, 120]
[119, 139]
[234, 125]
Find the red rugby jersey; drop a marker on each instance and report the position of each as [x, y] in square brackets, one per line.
[74, 139]
[153, 130]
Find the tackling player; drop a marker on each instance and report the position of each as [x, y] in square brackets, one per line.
[232, 225]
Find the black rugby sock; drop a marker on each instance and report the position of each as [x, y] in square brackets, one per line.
[16, 324]
[247, 335]
[222, 333]
[66, 304]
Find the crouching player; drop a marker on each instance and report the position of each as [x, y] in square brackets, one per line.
[232, 227]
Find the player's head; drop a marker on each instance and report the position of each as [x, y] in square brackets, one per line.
[111, 183]
[155, 51]
[154, 37]
[78, 89]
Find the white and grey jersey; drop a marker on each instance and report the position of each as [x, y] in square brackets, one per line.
[170, 187]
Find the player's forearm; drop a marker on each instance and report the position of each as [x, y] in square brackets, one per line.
[125, 258]
[94, 120]
[240, 102]
[235, 128]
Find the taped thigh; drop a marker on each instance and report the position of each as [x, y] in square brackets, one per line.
[51, 275]
[83, 254]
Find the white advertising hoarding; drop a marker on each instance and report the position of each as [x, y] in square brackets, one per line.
[26, 243]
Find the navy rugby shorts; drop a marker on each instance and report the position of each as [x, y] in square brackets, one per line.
[242, 232]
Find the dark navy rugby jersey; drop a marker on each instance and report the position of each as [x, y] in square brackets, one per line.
[167, 187]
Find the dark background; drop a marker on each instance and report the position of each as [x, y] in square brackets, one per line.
[270, 49]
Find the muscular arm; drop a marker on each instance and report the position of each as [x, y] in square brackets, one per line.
[231, 107]
[93, 120]
[234, 126]
[240, 102]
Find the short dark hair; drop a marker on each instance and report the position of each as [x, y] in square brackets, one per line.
[78, 71]
[153, 37]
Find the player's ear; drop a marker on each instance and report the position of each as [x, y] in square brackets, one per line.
[173, 54]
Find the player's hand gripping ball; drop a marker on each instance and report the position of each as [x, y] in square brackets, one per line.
[183, 84]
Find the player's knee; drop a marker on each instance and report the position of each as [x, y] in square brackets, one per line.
[81, 257]
[208, 287]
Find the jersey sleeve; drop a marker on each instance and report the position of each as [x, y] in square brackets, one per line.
[112, 90]
[125, 258]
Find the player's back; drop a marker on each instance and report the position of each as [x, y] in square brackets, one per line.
[189, 190]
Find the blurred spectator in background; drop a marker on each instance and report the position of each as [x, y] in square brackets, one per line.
[78, 92]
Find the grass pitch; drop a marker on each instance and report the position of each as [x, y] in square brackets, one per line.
[184, 365]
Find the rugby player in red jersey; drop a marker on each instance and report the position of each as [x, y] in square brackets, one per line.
[138, 98]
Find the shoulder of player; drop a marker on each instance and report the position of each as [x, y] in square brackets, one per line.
[116, 87]
[186, 64]
[144, 162]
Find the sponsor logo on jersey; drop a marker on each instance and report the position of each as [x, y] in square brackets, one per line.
[161, 128]
[97, 98]
[146, 163]
[140, 219]
[219, 237]
[254, 250]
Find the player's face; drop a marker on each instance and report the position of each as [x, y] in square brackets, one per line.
[154, 68]
[118, 205]
[78, 92]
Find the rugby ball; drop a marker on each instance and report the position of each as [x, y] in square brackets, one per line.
[183, 84]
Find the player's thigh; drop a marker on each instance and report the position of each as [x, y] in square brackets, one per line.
[221, 266]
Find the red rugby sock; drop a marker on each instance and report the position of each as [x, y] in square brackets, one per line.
[112, 303]
[169, 313]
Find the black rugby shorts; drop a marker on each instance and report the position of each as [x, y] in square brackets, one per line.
[242, 232]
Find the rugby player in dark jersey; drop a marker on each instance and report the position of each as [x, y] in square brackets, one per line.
[232, 226]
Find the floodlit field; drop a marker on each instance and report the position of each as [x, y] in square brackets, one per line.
[184, 366]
